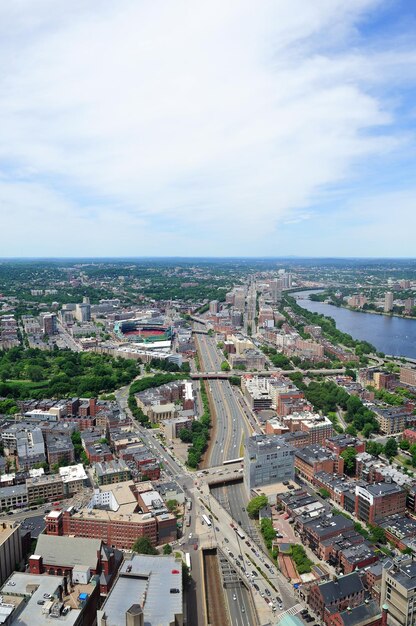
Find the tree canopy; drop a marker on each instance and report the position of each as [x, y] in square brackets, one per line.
[143, 545]
[255, 504]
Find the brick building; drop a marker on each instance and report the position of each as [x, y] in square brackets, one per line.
[113, 516]
[315, 458]
[78, 560]
[375, 502]
[339, 443]
[339, 594]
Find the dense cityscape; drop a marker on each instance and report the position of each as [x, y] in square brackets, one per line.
[207, 313]
[194, 430]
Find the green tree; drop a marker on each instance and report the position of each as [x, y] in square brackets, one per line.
[374, 448]
[324, 493]
[349, 460]
[255, 504]
[378, 535]
[167, 549]
[225, 366]
[172, 505]
[390, 449]
[404, 445]
[143, 545]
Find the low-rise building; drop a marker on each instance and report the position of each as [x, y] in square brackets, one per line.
[366, 614]
[110, 472]
[74, 479]
[315, 458]
[45, 488]
[339, 594]
[113, 516]
[60, 450]
[78, 560]
[398, 528]
[13, 496]
[339, 443]
[34, 600]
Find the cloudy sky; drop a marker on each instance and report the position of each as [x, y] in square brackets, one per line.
[220, 128]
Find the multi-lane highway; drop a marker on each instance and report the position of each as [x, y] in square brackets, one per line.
[232, 426]
[210, 357]
[234, 499]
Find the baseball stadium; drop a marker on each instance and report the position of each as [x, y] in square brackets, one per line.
[142, 332]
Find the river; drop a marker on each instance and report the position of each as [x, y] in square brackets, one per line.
[391, 335]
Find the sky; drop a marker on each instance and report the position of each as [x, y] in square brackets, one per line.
[194, 128]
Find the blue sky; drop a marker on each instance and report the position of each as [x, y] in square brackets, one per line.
[177, 128]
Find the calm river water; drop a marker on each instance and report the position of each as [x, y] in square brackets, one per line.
[391, 335]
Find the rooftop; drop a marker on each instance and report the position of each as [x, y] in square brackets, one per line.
[66, 552]
[33, 588]
[335, 590]
[145, 580]
[360, 614]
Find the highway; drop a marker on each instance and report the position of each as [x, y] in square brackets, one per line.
[231, 423]
[209, 356]
[247, 557]
[232, 426]
[234, 500]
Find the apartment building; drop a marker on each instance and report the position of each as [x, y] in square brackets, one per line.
[315, 458]
[108, 473]
[339, 594]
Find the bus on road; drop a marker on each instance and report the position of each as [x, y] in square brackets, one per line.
[206, 520]
[188, 560]
[189, 505]
[240, 533]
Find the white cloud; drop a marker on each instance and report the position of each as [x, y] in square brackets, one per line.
[220, 119]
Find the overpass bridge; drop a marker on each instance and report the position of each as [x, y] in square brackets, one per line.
[225, 375]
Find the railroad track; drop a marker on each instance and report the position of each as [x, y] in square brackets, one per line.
[215, 601]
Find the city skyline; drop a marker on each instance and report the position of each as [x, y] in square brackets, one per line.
[177, 130]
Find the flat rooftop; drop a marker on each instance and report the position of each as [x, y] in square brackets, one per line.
[33, 588]
[145, 580]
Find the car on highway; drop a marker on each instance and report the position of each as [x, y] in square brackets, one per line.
[268, 592]
[234, 596]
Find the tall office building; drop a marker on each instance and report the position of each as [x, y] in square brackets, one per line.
[214, 307]
[388, 301]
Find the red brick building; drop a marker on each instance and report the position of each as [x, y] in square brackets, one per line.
[336, 595]
[315, 458]
[339, 443]
[61, 556]
[377, 501]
